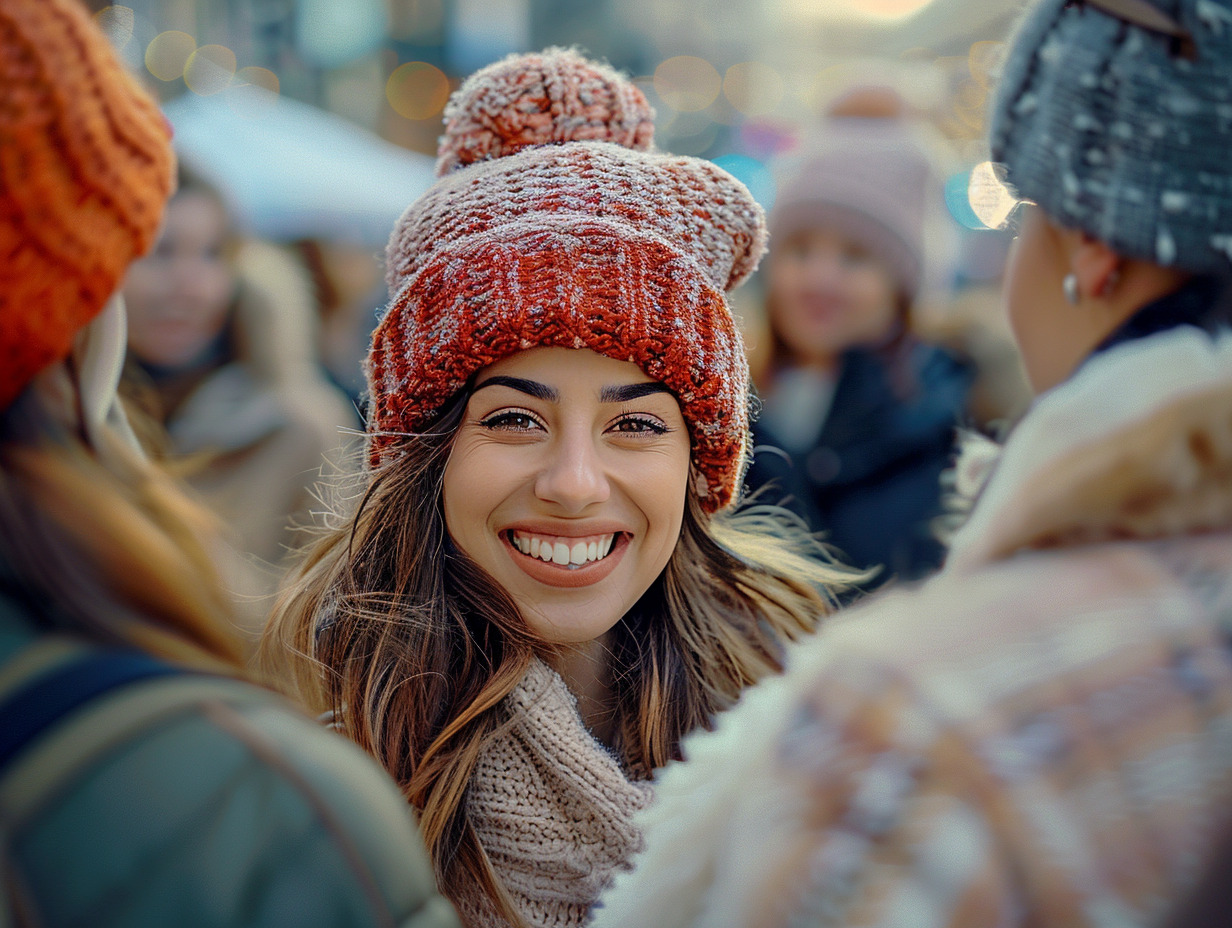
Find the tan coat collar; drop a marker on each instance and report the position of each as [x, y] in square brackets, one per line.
[1138, 444]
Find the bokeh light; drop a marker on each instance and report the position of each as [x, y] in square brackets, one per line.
[167, 54]
[991, 198]
[263, 78]
[209, 69]
[687, 84]
[984, 60]
[827, 83]
[958, 201]
[753, 88]
[767, 139]
[117, 23]
[887, 9]
[417, 90]
[254, 92]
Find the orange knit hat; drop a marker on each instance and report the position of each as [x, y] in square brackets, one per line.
[85, 168]
[556, 225]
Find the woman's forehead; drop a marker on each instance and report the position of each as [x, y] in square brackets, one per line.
[551, 364]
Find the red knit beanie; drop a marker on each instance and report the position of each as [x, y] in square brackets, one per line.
[556, 225]
[85, 168]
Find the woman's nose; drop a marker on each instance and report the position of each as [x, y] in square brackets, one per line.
[574, 477]
[824, 269]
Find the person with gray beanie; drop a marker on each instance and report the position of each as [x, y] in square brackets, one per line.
[1040, 735]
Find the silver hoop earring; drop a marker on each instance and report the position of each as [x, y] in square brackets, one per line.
[1069, 286]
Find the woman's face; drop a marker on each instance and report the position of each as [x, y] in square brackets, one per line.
[566, 483]
[827, 294]
[178, 296]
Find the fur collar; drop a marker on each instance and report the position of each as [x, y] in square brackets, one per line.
[1137, 444]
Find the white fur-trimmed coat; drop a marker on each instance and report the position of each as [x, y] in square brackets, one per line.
[1040, 735]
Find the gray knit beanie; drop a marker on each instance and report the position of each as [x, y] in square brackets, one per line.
[1115, 116]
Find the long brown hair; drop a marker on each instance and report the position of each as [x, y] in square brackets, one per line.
[413, 646]
[100, 544]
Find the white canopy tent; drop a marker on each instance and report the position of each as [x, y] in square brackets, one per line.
[295, 171]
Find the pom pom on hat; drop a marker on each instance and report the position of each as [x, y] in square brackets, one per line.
[556, 224]
[85, 169]
[529, 100]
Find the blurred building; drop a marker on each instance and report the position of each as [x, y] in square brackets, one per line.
[738, 81]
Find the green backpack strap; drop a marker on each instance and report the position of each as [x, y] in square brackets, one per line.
[63, 704]
[64, 686]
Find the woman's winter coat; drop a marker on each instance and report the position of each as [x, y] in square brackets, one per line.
[871, 481]
[1041, 735]
[183, 799]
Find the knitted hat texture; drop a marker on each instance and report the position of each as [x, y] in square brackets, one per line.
[85, 168]
[869, 177]
[547, 229]
[1117, 120]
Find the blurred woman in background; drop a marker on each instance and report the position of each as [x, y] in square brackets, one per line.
[858, 414]
[222, 355]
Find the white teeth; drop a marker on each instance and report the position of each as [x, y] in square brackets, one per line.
[576, 554]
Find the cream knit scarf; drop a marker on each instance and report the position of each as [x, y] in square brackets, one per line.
[552, 808]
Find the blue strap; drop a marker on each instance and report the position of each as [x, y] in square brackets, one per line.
[41, 703]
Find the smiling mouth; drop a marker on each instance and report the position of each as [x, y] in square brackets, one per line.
[569, 553]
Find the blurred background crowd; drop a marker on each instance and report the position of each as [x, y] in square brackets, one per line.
[1039, 734]
[304, 128]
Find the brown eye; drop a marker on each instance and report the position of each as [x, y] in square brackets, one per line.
[511, 422]
[640, 425]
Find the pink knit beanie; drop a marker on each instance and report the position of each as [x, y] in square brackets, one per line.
[556, 224]
[868, 176]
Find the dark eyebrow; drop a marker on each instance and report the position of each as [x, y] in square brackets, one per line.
[539, 391]
[632, 391]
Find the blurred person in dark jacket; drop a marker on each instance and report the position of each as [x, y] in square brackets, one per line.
[858, 414]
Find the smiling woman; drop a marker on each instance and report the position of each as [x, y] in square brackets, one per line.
[545, 584]
[567, 484]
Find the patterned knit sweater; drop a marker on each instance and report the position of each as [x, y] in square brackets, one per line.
[552, 808]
